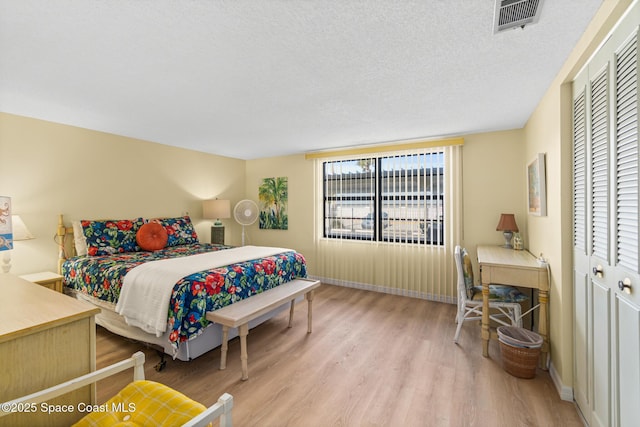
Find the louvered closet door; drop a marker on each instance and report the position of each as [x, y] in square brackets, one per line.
[582, 296]
[599, 249]
[592, 369]
[625, 308]
[606, 223]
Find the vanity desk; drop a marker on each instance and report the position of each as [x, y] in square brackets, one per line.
[499, 265]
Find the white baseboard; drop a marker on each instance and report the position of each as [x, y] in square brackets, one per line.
[385, 289]
[566, 393]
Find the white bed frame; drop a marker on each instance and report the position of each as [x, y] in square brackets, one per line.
[221, 409]
[209, 339]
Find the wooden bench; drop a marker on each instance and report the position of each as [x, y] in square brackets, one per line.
[239, 314]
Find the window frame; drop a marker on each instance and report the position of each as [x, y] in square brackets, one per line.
[420, 177]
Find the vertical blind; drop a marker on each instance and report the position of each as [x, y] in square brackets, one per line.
[390, 220]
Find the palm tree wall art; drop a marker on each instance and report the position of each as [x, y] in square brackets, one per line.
[273, 194]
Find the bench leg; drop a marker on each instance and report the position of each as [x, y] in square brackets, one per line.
[243, 331]
[224, 347]
[309, 297]
[291, 313]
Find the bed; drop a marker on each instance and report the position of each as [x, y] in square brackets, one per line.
[155, 282]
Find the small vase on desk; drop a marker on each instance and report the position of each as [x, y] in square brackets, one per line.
[518, 244]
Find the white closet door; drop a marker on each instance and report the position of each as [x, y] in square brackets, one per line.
[591, 140]
[599, 88]
[606, 223]
[624, 279]
[582, 297]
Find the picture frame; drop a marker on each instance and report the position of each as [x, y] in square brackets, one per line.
[274, 203]
[537, 186]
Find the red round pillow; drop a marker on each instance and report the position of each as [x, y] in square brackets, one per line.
[152, 236]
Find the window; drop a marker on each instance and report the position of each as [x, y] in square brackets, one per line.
[397, 198]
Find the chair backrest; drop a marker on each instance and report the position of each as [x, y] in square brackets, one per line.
[465, 272]
[457, 254]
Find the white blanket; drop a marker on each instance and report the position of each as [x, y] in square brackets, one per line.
[146, 289]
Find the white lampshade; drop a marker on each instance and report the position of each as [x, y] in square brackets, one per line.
[6, 231]
[12, 229]
[20, 230]
[216, 209]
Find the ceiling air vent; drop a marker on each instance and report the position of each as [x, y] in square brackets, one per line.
[515, 13]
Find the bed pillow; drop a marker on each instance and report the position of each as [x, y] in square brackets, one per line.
[180, 230]
[152, 236]
[108, 237]
[80, 242]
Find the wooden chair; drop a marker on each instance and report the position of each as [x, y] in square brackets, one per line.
[505, 299]
[145, 391]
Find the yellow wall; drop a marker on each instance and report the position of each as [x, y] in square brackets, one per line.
[299, 171]
[549, 131]
[82, 173]
[494, 182]
[50, 169]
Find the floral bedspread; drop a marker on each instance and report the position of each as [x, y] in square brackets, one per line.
[101, 277]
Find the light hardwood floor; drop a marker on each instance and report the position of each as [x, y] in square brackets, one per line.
[372, 360]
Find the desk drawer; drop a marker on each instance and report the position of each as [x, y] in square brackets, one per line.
[512, 276]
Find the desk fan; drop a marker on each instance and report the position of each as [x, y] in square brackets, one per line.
[245, 212]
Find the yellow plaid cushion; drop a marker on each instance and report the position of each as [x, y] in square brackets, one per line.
[144, 403]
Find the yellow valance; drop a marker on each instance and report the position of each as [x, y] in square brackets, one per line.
[385, 147]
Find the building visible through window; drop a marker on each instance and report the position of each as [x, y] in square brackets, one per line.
[396, 198]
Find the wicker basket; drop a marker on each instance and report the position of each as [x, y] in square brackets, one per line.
[520, 350]
[519, 337]
[520, 362]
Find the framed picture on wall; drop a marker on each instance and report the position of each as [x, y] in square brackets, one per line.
[274, 201]
[537, 186]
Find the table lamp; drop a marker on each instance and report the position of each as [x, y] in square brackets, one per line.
[6, 232]
[507, 225]
[216, 209]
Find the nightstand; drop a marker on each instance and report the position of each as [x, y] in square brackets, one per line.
[46, 279]
[217, 235]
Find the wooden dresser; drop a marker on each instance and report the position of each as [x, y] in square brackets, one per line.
[45, 338]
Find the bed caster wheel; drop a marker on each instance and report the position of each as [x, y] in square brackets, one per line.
[162, 363]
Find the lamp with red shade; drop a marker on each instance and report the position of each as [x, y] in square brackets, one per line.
[507, 225]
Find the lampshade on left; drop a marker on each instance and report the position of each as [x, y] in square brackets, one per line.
[12, 229]
[6, 231]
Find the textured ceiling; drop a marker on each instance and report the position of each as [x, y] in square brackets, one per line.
[260, 78]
